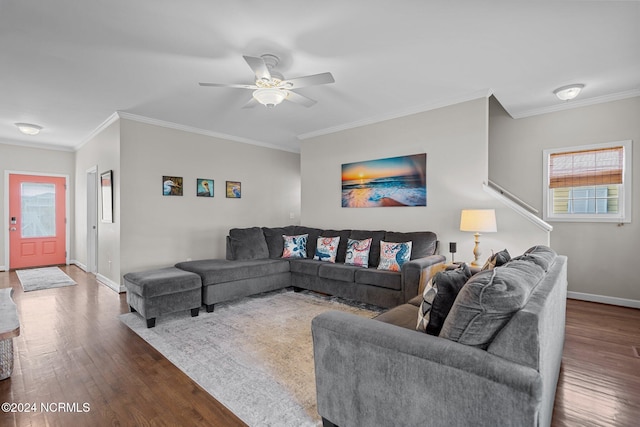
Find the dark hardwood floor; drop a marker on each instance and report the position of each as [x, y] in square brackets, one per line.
[73, 350]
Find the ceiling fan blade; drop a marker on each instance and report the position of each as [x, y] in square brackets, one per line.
[300, 99]
[252, 103]
[316, 79]
[259, 67]
[238, 86]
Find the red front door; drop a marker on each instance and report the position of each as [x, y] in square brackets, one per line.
[37, 220]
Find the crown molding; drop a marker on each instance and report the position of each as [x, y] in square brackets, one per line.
[110, 120]
[39, 145]
[484, 93]
[176, 126]
[568, 105]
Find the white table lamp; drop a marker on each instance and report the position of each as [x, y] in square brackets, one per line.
[478, 221]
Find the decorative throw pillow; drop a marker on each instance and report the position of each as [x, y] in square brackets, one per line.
[488, 301]
[295, 246]
[393, 255]
[358, 252]
[448, 284]
[327, 249]
[496, 260]
[424, 312]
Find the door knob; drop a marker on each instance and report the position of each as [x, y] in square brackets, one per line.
[12, 229]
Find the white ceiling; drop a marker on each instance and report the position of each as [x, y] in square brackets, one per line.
[68, 65]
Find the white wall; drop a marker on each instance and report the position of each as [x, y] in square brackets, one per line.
[158, 231]
[602, 256]
[455, 139]
[103, 151]
[35, 160]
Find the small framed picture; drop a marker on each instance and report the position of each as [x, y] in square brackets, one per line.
[204, 187]
[172, 185]
[234, 189]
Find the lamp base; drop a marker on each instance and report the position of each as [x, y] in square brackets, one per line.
[476, 251]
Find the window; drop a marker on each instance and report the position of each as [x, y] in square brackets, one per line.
[588, 183]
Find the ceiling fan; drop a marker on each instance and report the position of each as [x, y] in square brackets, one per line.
[271, 88]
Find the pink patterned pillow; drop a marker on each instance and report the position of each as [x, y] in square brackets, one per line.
[358, 252]
[393, 255]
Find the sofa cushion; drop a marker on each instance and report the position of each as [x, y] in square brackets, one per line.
[213, 271]
[341, 272]
[379, 278]
[342, 247]
[163, 281]
[403, 315]
[304, 266]
[376, 237]
[275, 242]
[488, 301]
[448, 284]
[327, 249]
[423, 243]
[393, 255]
[541, 255]
[358, 252]
[295, 246]
[313, 233]
[248, 244]
[417, 300]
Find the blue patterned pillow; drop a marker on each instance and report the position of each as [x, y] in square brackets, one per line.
[327, 249]
[295, 246]
[393, 255]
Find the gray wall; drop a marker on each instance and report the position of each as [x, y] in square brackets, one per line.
[455, 139]
[158, 231]
[35, 160]
[103, 151]
[602, 256]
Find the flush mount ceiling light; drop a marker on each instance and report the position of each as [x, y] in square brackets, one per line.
[565, 93]
[28, 128]
[270, 97]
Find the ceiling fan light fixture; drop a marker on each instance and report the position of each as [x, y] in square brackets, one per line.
[566, 93]
[28, 128]
[270, 97]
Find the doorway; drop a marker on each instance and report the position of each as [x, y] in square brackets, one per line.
[37, 220]
[92, 220]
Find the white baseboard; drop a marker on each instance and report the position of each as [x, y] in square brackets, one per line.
[3, 268]
[108, 282]
[604, 299]
[78, 264]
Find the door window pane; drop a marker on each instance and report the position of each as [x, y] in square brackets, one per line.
[38, 210]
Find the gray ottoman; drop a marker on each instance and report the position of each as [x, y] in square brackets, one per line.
[156, 292]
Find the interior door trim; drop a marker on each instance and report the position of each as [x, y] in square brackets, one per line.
[5, 224]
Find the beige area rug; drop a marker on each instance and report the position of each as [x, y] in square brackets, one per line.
[254, 355]
[35, 279]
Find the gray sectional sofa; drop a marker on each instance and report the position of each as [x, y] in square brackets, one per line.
[495, 361]
[254, 264]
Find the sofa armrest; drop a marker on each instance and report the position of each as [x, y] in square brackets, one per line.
[417, 272]
[373, 373]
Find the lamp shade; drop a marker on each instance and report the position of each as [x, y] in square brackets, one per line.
[478, 220]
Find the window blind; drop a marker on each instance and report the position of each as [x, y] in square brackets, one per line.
[588, 167]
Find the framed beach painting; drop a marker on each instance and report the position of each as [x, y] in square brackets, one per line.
[234, 189]
[172, 185]
[393, 181]
[204, 187]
